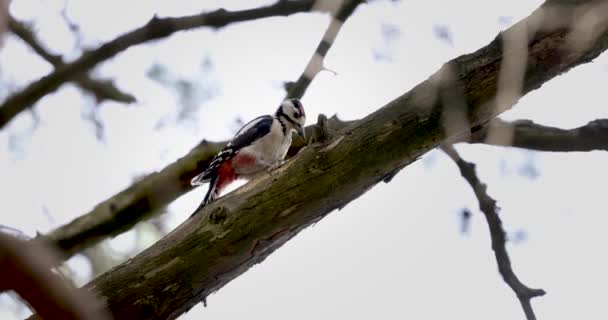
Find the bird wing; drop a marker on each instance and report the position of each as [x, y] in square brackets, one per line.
[249, 133]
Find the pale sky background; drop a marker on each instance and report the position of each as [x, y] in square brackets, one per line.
[395, 253]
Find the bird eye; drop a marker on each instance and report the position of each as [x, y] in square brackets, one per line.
[296, 115]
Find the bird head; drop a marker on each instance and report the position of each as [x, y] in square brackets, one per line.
[292, 110]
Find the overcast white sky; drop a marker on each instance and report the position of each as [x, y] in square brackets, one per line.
[395, 253]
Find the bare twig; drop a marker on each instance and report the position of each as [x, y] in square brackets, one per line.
[488, 206]
[156, 28]
[529, 135]
[101, 89]
[315, 65]
[26, 268]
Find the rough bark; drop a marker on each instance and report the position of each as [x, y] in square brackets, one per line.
[156, 28]
[241, 229]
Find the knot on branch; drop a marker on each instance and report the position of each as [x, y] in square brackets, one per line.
[596, 127]
[322, 131]
[216, 19]
[218, 215]
[529, 293]
[288, 85]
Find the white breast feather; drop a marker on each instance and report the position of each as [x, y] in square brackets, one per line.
[272, 147]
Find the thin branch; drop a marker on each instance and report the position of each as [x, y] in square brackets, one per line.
[26, 268]
[143, 199]
[101, 89]
[529, 135]
[242, 228]
[315, 65]
[156, 28]
[488, 206]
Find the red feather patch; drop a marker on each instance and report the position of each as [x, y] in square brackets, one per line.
[226, 175]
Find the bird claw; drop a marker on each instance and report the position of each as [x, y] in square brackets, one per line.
[269, 171]
[277, 165]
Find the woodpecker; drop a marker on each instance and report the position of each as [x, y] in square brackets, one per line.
[257, 146]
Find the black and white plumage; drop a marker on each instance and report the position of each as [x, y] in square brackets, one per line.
[259, 145]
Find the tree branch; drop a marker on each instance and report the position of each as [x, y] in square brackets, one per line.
[529, 135]
[242, 228]
[102, 90]
[156, 28]
[315, 65]
[488, 206]
[143, 199]
[26, 268]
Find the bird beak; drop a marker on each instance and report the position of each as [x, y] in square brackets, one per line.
[301, 133]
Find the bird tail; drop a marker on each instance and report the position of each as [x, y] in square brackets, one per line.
[211, 193]
[202, 178]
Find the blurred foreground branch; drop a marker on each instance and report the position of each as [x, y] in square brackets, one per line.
[242, 228]
[488, 206]
[26, 269]
[156, 28]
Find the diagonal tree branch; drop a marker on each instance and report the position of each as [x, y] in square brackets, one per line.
[102, 90]
[242, 228]
[488, 206]
[529, 135]
[315, 65]
[143, 199]
[140, 201]
[26, 269]
[155, 29]
[136, 203]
